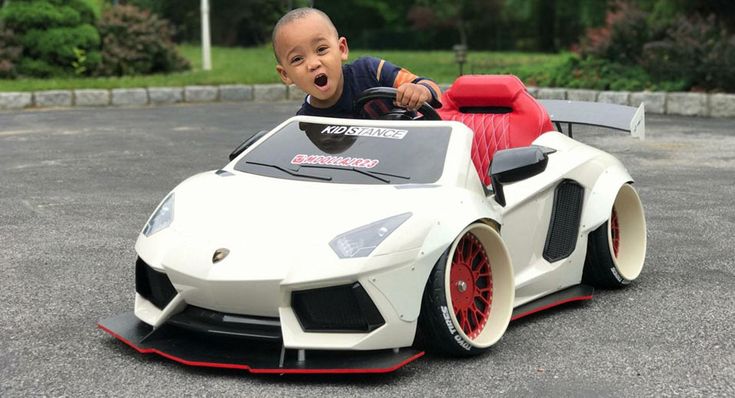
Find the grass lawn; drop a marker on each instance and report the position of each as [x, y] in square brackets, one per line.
[257, 65]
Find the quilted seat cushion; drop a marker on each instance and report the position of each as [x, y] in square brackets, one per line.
[500, 112]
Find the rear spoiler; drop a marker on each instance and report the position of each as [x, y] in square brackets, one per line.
[618, 117]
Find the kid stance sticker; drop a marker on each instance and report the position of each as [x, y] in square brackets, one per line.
[345, 161]
[379, 132]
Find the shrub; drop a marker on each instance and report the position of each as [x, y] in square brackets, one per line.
[10, 52]
[57, 45]
[622, 38]
[52, 32]
[697, 50]
[24, 16]
[599, 74]
[137, 42]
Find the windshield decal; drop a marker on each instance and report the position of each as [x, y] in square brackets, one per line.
[345, 161]
[366, 131]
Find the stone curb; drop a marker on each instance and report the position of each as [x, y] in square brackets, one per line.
[52, 98]
[165, 95]
[686, 104]
[89, 97]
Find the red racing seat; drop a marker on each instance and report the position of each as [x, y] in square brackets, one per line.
[500, 112]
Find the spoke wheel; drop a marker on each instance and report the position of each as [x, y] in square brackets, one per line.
[615, 232]
[469, 294]
[471, 285]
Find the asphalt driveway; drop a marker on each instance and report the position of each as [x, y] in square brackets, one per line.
[77, 185]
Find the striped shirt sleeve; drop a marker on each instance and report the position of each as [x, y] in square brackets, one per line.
[389, 75]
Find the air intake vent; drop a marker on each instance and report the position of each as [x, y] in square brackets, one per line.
[561, 239]
[154, 286]
[205, 321]
[346, 308]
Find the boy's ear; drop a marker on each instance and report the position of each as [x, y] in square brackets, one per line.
[283, 75]
[343, 49]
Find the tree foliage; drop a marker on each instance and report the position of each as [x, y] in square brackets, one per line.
[232, 22]
[10, 52]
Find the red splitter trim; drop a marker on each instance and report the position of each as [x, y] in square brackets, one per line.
[552, 305]
[258, 370]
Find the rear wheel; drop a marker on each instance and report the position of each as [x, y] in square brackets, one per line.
[616, 250]
[468, 298]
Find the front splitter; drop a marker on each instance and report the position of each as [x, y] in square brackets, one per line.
[221, 351]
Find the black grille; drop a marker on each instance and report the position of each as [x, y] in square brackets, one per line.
[154, 286]
[207, 321]
[346, 308]
[564, 226]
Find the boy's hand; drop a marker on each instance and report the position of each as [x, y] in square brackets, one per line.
[411, 96]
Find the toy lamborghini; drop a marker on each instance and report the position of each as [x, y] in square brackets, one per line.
[352, 245]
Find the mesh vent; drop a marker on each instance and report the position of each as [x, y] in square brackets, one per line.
[154, 286]
[561, 239]
[346, 308]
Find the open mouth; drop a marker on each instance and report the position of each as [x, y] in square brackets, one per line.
[321, 80]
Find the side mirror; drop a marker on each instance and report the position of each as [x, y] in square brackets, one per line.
[516, 164]
[247, 143]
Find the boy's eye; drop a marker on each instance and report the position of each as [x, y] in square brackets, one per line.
[322, 50]
[296, 60]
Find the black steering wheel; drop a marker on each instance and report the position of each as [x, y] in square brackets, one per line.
[389, 93]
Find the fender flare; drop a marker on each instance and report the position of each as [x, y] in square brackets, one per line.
[602, 197]
[412, 278]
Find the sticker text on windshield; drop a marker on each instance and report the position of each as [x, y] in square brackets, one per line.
[344, 161]
[366, 131]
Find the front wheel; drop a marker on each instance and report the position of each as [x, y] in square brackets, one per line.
[616, 250]
[468, 300]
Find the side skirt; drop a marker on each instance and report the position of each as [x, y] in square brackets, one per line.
[568, 295]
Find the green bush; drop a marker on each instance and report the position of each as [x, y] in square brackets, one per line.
[57, 44]
[52, 33]
[10, 52]
[24, 16]
[88, 9]
[137, 42]
[697, 50]
[40, 68]
[599, 74]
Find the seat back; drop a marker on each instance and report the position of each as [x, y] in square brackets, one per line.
[500, 112]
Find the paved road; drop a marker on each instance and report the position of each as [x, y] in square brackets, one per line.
[77, 185]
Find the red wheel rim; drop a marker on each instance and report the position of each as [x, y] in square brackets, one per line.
[615, 232]
[471, 285]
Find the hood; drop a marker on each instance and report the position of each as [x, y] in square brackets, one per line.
[276, 231]
[245, 207]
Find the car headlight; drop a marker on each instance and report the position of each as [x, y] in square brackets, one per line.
[360, 242]
[162, 217]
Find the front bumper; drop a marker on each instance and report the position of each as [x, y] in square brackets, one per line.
[222, 351]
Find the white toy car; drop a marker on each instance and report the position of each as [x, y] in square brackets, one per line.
[330, 245]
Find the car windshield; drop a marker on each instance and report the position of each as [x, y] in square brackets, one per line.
[334, 153]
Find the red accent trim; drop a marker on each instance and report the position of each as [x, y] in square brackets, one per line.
[256, 370]
[615, 232]
[552, 305]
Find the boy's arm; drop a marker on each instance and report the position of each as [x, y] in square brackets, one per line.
[389, 75]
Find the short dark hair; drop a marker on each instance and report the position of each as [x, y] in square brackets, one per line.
[293, 15]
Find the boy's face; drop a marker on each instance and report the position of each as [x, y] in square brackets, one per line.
[310, 56]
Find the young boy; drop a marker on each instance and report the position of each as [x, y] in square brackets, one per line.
[310, 54]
